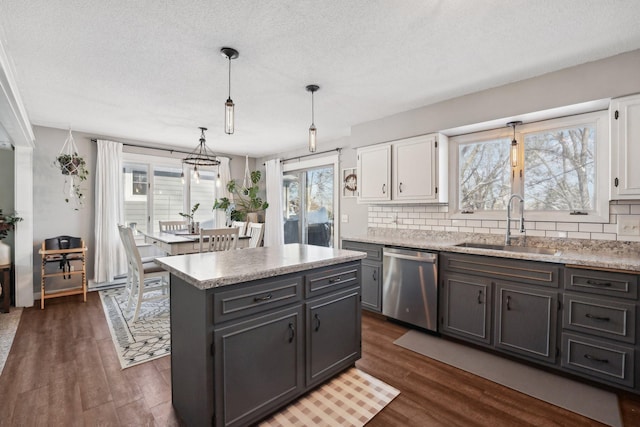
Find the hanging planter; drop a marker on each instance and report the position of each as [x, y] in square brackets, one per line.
[74, 168]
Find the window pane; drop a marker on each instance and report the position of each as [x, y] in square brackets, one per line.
[203, 191]
[291, 205]
[484, 182]
[167, 195]
[319, 206]
[560, 169]
[135, 195]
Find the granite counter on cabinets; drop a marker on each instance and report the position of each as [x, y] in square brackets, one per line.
[254, 329]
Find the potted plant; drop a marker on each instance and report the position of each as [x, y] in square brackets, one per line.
[246, 202]
[189, 217]
[75, 167]
[7, 223]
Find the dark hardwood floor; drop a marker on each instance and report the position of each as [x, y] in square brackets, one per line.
[63, 371]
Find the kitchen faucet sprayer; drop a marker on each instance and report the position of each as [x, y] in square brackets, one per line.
[507, 239]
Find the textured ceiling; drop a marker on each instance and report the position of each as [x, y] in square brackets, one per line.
[150, 70]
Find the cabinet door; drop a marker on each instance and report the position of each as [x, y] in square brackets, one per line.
[374, 173]
[333, 331]
[466, 307]
[371, 289]
[415, 169]
[625, 147]
[526, 321]
[258, 366]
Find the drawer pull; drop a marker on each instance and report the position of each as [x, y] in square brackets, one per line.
[265, 298]
[375, 275]
[508, 303]
[591, 316]
[480, 296]
[597, 283]
[292, 332]
[317, 322]
[335, 279]
[595, 359]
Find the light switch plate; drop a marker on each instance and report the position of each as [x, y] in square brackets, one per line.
[629, 225]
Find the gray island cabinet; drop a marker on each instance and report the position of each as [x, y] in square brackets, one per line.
[254, 329]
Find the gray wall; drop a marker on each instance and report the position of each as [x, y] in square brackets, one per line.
[6, 189]
[52, 215]
[608, 78]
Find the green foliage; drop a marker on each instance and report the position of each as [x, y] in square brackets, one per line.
[76, 167]
[189, 217]
[245, 200]
[7, 222]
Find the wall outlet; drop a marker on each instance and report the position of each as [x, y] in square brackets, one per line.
[344, 218]
[629, 225]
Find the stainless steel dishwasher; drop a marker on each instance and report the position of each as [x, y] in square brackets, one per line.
[410, 286]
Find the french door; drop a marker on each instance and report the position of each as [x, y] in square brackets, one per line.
[310, 203]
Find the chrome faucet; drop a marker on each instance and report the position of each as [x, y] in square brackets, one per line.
[507, 239]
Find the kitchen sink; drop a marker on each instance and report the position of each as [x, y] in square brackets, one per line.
[524, 249]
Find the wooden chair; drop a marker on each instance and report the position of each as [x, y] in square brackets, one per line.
[242, 227]
[140, 275]
[173, 226]
[218, 239]
[255, 231]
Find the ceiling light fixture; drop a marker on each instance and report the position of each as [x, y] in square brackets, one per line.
[200, 157]
[312, 128]
[514, 143]
[230, 54]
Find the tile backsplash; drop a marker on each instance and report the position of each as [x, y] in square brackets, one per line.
[435, 218]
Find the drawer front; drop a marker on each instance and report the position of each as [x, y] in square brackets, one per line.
[332, 279]
[530, 272]
[619, 285]
[374, 252]
[602, 317]
[599, 359]
[258, 297]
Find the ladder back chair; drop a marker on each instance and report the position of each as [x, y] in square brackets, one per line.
[142, 277]
[218, 239]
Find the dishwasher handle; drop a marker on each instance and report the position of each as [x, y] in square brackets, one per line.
[429, 258]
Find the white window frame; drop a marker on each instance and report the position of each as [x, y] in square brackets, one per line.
[600, 213]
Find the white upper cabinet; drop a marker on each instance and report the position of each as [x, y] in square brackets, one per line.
[374, 173]
[412, 170]
[625, 147]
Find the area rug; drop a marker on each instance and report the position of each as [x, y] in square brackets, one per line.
[136, 342]
[8, 326]
[572, 395]
[351, 399]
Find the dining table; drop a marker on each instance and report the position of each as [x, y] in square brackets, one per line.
[182, 242]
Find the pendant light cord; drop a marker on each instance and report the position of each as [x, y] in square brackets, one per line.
[312, 109]
[229, 77]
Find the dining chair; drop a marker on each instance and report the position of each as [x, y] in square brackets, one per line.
[218, 239]
[255, 231]
[242, 227]
[173, 226]
[141, 277]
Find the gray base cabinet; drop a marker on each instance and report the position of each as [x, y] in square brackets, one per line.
[371, 273]
[526, 321]
[465, 307]
[240, 352]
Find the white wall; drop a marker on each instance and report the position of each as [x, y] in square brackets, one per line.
[6, 188]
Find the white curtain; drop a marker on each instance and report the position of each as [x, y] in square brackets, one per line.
[225, 177]
[274, 230]
[109, 252]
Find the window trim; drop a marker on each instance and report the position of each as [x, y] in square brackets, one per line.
[600, 213]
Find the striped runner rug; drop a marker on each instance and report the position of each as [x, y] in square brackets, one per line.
[351, 399]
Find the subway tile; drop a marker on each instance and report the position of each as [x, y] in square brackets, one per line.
[466, 229]
[533, 233]
[578, 235]
[590, 228]
[445, 222]
[474, 223]
[490, 224]
[635, 209]
[610, 228]
[459, 222]
[567, 226]
[603, 236]
[557, 234]
[620, 209]
[451, 229]
[545, 226]
[481, 230]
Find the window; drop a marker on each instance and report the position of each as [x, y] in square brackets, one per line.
[562, 170]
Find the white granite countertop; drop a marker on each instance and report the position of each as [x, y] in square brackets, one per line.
[213, 269]
[603, 256]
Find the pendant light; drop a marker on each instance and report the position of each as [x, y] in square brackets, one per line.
[312, 128]
[230, 54]
[200, 157]
[514, 143]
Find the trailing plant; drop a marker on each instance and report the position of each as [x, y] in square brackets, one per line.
[245, 199]
[7, 223]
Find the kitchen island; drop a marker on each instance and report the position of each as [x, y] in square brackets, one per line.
[252, 330]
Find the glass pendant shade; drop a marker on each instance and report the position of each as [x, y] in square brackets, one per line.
[514, 153]
[312, 138]
[228, 117]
